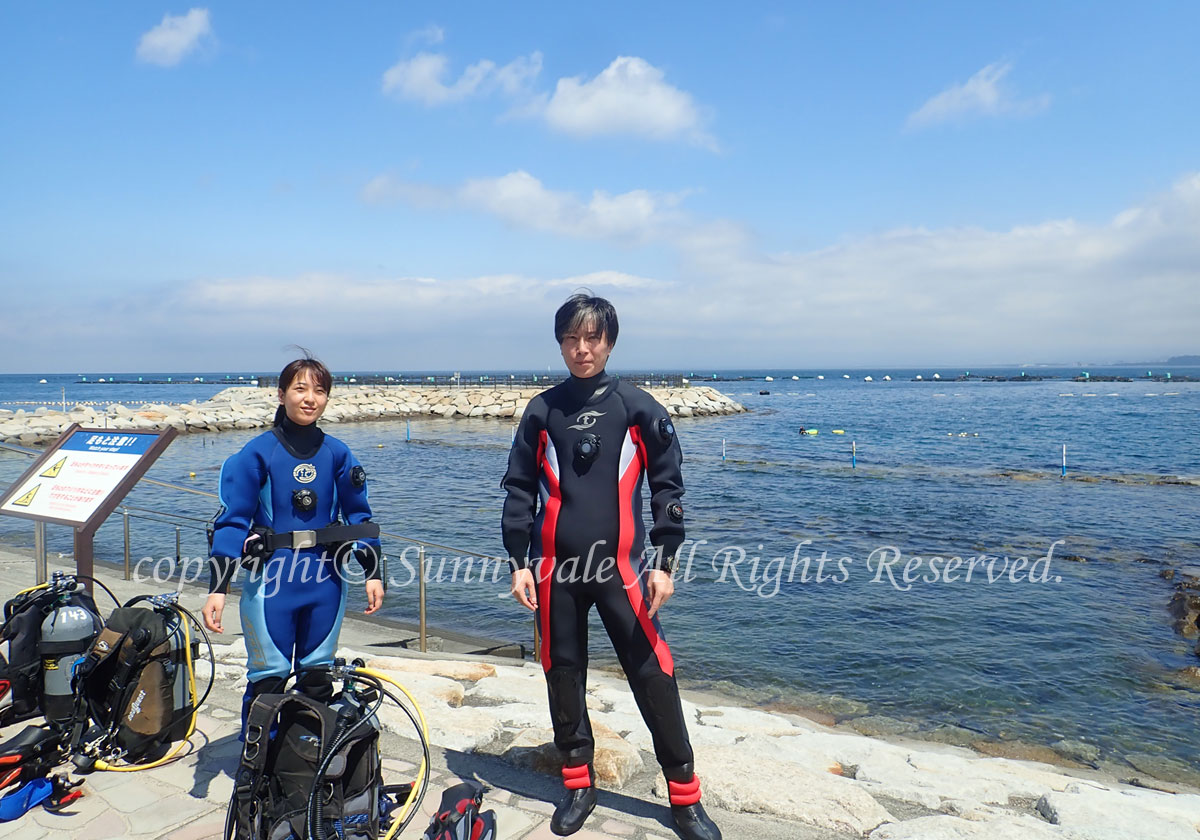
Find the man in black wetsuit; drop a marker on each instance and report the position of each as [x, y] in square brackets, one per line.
[584, 448]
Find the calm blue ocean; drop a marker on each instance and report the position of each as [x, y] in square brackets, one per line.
[1084, 650]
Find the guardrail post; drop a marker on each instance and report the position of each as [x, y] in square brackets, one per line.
[178, 544]
[421, 596]
[39, 552]
[125, 516]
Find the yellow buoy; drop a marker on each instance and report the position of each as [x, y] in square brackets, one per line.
[191, 475]
[839, 431]
[379, 446]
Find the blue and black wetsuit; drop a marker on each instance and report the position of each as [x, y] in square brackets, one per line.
[292, 602]
[583, 452]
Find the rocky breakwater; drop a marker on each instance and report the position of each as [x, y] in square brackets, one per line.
[253, 408]
[835, 782]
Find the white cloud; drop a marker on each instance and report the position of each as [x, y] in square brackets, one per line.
[983, 94]
[172, 40]
[522, 201]
[1058, 289]
[1050, 290]
[423, 78]
[599, 280]
[431, 34]
[630, 96]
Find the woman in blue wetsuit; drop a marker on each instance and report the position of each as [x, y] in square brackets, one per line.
[294, 508]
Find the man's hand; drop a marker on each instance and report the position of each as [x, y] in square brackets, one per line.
[374, 596]
[214, 605]
[524, 589]
[661, 587]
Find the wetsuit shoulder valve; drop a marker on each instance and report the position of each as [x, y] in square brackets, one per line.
[666, 429]
[358, 476]
[587, 448]
[304, 499]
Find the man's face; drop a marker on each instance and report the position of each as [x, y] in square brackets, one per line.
[585, 350]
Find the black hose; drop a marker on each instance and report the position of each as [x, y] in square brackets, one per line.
[101, 585]
[424, 781]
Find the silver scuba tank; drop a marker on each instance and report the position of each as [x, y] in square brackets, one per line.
[67, 633]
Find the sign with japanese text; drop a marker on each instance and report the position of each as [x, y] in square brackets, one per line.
[72, 482]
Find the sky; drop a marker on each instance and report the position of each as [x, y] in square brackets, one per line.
[418, 186]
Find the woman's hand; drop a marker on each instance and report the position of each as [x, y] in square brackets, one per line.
[374, 596]
[213, 607]
[524, 589]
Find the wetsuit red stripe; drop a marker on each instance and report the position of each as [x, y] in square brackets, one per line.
[628, 486]
[545, 569]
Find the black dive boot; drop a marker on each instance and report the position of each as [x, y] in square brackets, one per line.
[579, 802]
[691, 822]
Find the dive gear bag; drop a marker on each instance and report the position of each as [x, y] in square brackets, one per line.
[312, 770]
[137, 684]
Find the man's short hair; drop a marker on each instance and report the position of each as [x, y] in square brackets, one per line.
[586, 310]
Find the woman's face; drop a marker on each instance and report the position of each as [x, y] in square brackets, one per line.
[304, 400]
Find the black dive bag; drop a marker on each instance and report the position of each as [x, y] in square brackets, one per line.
[309, 769]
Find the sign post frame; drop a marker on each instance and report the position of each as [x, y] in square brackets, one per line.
[85, 531]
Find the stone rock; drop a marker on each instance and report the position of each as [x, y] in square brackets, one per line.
[612, 694]
[453, 669]
[748, 721]
[943, 827]
[464, 729]
[534, 749]
[615, 761]
[520, 715]
[1078, 751]
[738, 779]
[427, 688]
[877, 726]
[1099, 813]
[223, 671]
[950, 734]
[511, 685]
[1165, 768]
[235, 652]
[1022, 751]
[918, 773]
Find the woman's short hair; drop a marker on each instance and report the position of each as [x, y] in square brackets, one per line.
[586, 310]
[317, 372]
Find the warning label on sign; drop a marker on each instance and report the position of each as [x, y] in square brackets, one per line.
[27, 497]
[53, 471]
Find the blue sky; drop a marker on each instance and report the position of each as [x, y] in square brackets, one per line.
[417, 186]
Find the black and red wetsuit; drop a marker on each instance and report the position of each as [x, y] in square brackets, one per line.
[585, 540]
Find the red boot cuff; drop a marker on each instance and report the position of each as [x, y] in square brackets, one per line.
[684, 793]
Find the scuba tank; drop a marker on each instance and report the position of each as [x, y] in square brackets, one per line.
[67, 633]
[25, 614]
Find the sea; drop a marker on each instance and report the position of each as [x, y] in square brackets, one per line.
[826, 571]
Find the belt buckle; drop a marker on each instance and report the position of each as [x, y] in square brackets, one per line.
[304, 539]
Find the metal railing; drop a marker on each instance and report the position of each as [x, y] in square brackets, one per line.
[181, 521]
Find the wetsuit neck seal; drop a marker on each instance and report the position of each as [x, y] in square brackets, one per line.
[593, 386]
[300, 441]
